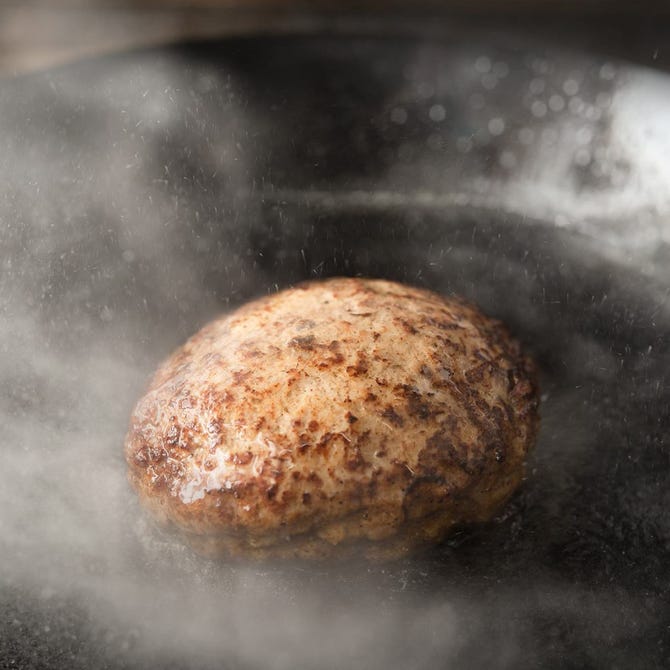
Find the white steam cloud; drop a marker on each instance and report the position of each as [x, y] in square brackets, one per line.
[103, 273]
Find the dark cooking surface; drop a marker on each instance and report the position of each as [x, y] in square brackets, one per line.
[140, 195]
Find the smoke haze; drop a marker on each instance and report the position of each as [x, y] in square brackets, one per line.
[143, 195]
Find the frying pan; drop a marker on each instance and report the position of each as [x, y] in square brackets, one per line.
[144, 193]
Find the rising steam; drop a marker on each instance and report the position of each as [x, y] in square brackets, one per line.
[109, 262]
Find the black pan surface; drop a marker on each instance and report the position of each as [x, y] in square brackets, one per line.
[142, 194]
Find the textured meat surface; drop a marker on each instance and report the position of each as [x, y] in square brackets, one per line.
[341, 417]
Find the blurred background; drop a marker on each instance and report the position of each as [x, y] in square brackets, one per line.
[40, 34]
[511, 151]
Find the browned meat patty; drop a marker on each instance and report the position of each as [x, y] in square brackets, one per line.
[341, 417]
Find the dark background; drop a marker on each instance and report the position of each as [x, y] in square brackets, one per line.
[144, 192]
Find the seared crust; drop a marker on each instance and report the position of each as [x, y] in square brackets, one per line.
[342, 417]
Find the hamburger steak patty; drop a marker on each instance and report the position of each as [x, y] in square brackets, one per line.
[337, 418]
